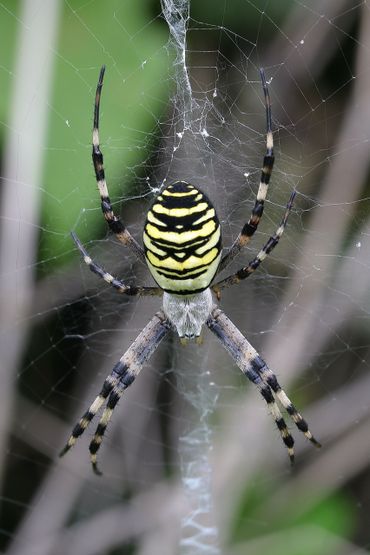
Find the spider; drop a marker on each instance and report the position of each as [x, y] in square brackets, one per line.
[183, 251]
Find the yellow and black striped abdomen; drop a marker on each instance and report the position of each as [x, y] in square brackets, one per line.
[182, 239]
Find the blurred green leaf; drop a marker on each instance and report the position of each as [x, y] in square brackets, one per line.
[125, 37]
[134, 96]
[331, 516]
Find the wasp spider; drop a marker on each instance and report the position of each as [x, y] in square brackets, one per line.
[183, 251]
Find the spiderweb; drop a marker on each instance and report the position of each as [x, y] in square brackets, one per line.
[192, 462]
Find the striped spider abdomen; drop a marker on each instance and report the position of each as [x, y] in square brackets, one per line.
[182, 239]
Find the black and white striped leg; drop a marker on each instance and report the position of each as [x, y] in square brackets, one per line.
[254, 367]
[115, 224]
[108, 278]
[97, 439]
[88, 416]
[275, 412]
[250, 227]
[233, 342]
[121, 377]
[246, 271]
[270, 379]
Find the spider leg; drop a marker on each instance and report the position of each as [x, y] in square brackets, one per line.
[270, 379]
[250, 227]
[115, 224]
[88, 416]
[97, 439]
[246, 271]
[114, 282]
[122, 375]
[255, 369]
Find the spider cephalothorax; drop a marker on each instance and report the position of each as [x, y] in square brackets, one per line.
[182, 249]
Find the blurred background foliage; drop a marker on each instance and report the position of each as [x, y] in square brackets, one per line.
[136, 91]
[69, 320]
[87, 40]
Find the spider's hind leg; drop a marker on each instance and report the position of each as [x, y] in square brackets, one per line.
[113, 399]
[89, 415]
[121, 377]
[256, 370]
[271, 380]
[286, 436]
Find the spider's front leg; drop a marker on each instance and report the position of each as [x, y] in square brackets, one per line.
[121, 377]
[252, 266]
[132, 290]
[256, 370]
[250, 227]
[115, 224]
